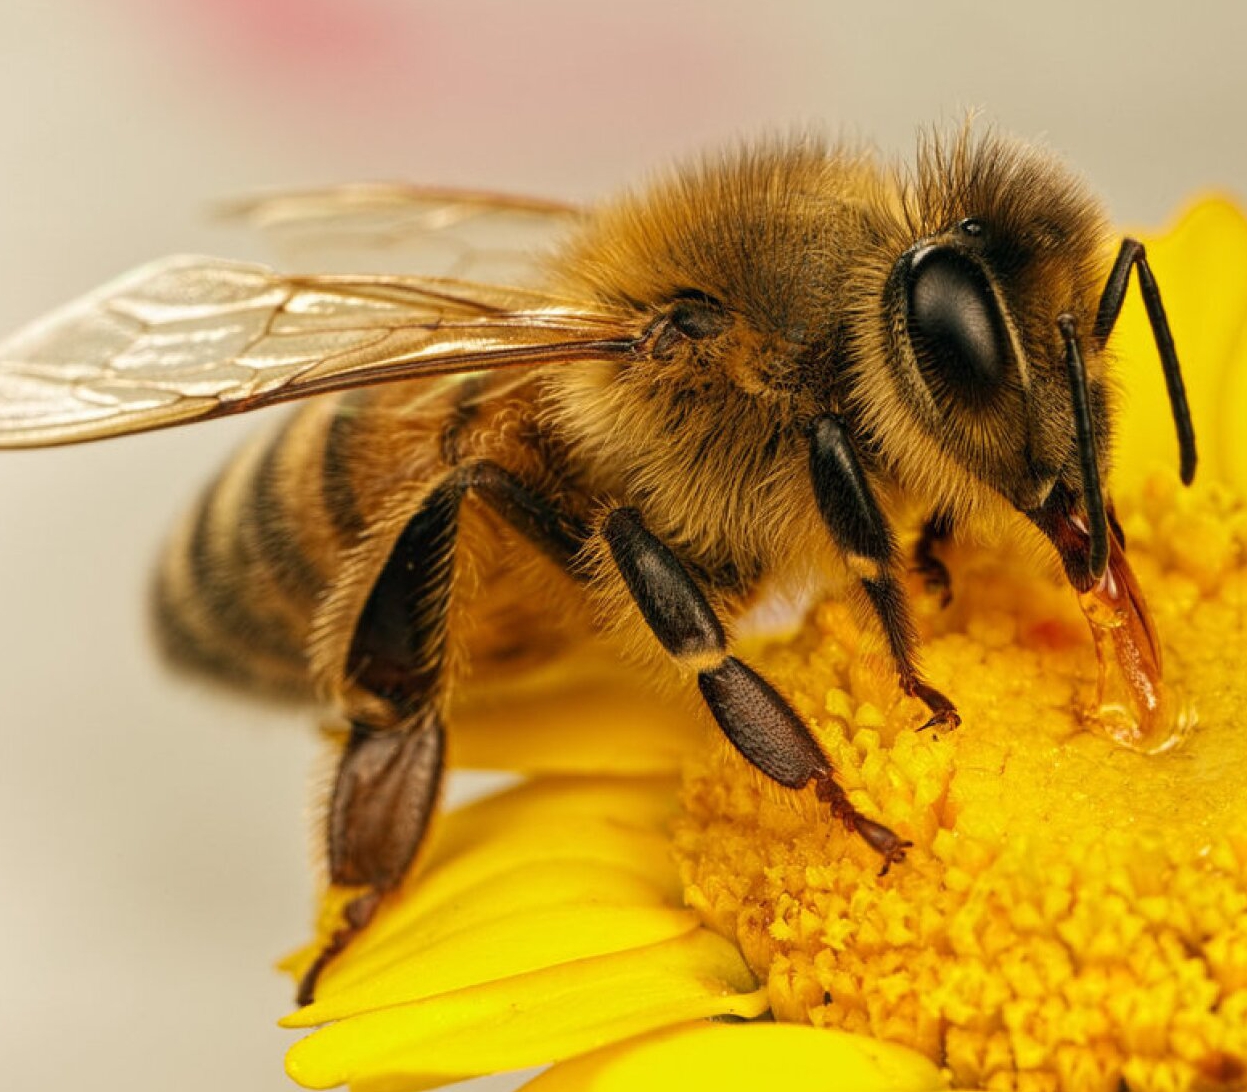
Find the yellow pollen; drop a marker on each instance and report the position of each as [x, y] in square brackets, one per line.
[1073, 915]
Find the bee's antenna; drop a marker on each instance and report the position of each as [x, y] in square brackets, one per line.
[1130, 255]
[1097, 517]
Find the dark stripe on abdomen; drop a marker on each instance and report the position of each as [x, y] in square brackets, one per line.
[221, 605]
[219, 567]
[267, 519]
[337, 484]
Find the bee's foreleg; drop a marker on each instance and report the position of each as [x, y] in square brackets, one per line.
[749, 710]
[934, 573]
[389, 773]
[856, 522]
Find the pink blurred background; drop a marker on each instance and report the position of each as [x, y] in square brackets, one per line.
[152, 834]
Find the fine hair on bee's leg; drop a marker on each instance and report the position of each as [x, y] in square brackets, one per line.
[389, 774]
[750, 711]
[937, 530]
[857, 524]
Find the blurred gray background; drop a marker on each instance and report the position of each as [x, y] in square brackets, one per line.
[152, 834]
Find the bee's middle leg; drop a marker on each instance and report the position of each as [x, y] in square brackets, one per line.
[751, 712]
[389, 774]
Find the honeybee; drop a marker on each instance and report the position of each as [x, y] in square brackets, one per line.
[735, 378]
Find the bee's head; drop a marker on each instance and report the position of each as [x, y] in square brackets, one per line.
[999, 258]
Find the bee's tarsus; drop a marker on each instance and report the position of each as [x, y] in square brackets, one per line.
[761, 724]
[383, 797]
[306, 992]
[943, 713]
[895, 856]
[883, 840]
[357, 914]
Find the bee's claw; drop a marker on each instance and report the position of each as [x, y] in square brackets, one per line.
[890, 846]
[357, 913]
[945, 718]
[943, 713]
[895, 856]
[883, 840]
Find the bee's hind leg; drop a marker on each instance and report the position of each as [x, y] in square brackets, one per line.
[383, 797]
[389, 774]
[390, 771]
[749, 710]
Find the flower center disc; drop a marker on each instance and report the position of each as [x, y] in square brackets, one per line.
[1073, 914]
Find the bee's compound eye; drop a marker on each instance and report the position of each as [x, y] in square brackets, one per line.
[955, 324]
[698, 316]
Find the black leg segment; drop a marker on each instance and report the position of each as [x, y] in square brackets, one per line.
[672, 604]
[543, 523]
[750, 711]
[858, 526]
[887, 597]
[389, 773]
[1084, 430]
[761, 725]
[845, 502]
[396, 652]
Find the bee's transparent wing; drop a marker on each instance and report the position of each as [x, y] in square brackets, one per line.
[191, 338]
[394, 228]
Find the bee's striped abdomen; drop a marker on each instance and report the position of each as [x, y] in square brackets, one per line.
[239, 583]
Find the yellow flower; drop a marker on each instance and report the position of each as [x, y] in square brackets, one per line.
[1073, 916]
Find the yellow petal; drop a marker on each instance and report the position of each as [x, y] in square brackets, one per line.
[628, 803]
[1201, 266]
[1231, 451]
[596, 722]
[744, 1058]
[409, 969]
[530, 1019]
[430, 918]
[586, 827]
